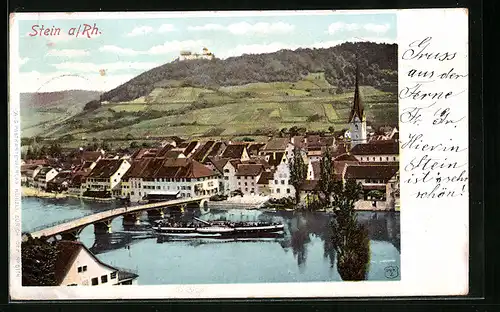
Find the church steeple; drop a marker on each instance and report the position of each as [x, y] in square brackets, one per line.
[357, 108]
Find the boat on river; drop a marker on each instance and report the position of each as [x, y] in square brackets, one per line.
[201, 228]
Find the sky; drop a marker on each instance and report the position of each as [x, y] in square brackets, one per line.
[121, 49]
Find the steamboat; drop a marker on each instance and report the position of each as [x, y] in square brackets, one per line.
[201, 228]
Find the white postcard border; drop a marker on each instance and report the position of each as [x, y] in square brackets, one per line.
[434, 252]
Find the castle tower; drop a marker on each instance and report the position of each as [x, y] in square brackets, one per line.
[357, 119]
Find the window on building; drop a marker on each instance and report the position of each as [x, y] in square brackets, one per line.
[246, 183]
[139, 193]
[277, 190]
[275, 181]
[252, 190]
[79, 269]
[95, 281]
[112, 275]
[393, 158]
[253, 183]
[238, 178]
[246, 189]
[380, 158]
[226, 170]
[288, 191]
[72, 285]
[283, 182]
[226, 178]
[132, 193]
[387, 159]
[104, 279]
[84, 268]
[239, 183]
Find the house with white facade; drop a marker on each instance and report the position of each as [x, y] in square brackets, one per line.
[76, 185]
[106, 177]
[28, 173]
[380, 151]
[372, 177]
[247, 176]
[280, 184]
[278, 145]
[226, 170]
[313, 170]
[76, 265]
[44, 175]
[182, 176]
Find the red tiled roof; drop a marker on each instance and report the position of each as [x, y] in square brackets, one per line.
[298, 141]
[254, 148]
[265, 177]
[67, 253]
[345, 157]
[145, 152]
[234, 151]
[164, 150]
[275, 158]
[182, 168]
[201, 153]
[370, 172]
[249, 170]
[219, 163]
[90, 156]
[77, 179]
[276, 144]
[386, 148]
[172, 154]
[190, 147]
[216, 149]
[136, 168]
[309, 185]
[105, 168]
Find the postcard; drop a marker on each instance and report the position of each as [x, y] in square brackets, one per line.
[249, 154]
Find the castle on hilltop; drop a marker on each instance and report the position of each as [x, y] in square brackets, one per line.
[188, 55]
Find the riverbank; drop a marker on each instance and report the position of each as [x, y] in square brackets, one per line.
[33, 192]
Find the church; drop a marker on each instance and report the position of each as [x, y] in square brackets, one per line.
[357, 118]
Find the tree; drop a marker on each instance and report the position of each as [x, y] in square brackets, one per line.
[55, 150]
[134, 144]
[38, 258]
[298, 172]
[350, 239]
[327, 176]
[331, 129]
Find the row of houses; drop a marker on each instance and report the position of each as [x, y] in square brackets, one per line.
[193, 168]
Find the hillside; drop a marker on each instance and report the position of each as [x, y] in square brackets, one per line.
[40, 111]
[378, 68]
[250, 95]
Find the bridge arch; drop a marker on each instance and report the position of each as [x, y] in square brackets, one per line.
[203, 203]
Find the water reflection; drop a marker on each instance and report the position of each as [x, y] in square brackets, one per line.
[300, 227]
[304, 253]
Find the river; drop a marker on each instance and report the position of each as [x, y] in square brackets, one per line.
[302, 254]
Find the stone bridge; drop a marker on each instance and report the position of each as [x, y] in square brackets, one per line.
[102, 220]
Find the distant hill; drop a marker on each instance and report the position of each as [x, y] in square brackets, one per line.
[377, 62]
[249, 95]
[72, 100]
[41, 110]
